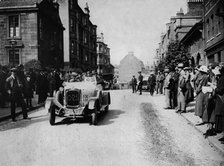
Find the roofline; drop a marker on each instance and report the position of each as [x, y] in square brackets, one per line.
[19, 8]
[198, 25]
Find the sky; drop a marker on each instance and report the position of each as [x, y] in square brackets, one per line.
[132, 25]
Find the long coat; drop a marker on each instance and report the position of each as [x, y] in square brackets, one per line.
[219, 107]
[201, 98]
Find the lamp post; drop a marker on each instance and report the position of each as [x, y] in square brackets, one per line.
[13, 43]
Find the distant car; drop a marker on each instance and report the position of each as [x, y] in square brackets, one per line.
[82, 99]
[145, 84]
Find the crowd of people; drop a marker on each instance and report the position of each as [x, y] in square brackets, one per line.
[17, 86]
[182, 85]
[204, 84]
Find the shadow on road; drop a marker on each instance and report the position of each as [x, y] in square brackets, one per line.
[21, 123]
[103, 119]
[107, 118]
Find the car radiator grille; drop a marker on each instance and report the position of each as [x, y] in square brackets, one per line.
[73, 98]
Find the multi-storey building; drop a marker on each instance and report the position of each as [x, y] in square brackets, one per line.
[180, 25]
[31, 29]
[214, 30]
[79, 36]
[130, 65]
[103, 56]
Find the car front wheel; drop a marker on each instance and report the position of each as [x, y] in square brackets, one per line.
[94, 118]
[52, 117]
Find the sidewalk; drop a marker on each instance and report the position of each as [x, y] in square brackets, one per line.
[5, 113]
[192, 119]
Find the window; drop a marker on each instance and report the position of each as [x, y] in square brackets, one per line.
[218, 22]
[71, 4]
[212, 25]
[72, 25]
[72, 47]
[14, 26]
[207, 27]
[14, 57]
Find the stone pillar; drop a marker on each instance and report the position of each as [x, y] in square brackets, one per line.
[216, 58]
[222, 56]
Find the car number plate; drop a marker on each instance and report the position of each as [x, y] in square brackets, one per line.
[78, 111]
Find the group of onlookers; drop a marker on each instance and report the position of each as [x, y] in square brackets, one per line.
[204, 84]
[17, 86]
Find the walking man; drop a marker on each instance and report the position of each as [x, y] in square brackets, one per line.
[16, 94]
[140, 79]
[133, 84]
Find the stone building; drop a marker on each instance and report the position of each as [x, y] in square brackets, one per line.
[130, 65]
[193, 41]
[103, 57]
[180, 25]
[31, 29]
[214, 30]
[79, 36]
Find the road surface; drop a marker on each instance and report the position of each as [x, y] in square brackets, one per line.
[135, 131]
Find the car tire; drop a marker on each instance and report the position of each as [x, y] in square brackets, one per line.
[106, 108]
[52, 117]
[94, 118]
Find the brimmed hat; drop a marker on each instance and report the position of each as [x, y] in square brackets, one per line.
[216, 71]
[13, 69]
[166, 70]
[180, 65]
[203, 69]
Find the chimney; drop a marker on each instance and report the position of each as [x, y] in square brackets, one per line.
[87, 11]
[195, 7]
[56, 5]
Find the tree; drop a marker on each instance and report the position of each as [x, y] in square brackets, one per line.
[176, 54]
[32, 64]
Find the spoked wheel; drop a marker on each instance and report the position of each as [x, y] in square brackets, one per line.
[52, 117]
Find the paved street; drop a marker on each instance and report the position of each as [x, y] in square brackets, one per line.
[136, 131]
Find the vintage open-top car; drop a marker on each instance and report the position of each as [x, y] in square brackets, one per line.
[81, 99]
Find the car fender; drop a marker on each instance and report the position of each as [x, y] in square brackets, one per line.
[106, 98]
[92, 102]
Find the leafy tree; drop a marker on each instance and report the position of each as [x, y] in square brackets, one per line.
[176, 54]
[32, 64]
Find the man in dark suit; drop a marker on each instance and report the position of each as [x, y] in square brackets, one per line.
[16, 95]
[140, 79]
[133, 84]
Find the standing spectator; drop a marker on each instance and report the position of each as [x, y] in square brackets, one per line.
[52, 83]
[160, 81]
[201, 98]
[16, 95]
[219, 111]
[133, 84]
[152, 83]
[32, 78]
[166, 88]
[175, 77]
[28, 92]
[140, 79]
[181, 91]
[2, 88]
[189, 94]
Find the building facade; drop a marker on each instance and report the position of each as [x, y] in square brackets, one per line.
[103, 56]
[31, 29]
[180, 25]
[130, 65]
[214, 30]
[79, 36]
[193, 41]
